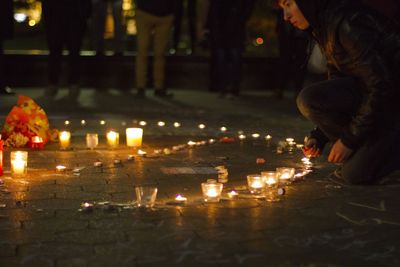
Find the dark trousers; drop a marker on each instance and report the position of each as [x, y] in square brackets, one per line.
[2, 68]
[226, 69]
[330, 105]
[191, 15]
[63, 29]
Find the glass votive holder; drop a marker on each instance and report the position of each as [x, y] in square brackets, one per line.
[134, 137]
[65, 139]
[271, 186]
[285, 175]
[92, 140]
[19, 163]
[112, 138]
[255, 183]
[146, 196]
[211, 190]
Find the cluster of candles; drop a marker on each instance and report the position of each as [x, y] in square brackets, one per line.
[134, 138]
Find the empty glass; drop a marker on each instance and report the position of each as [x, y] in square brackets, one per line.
[146, 196]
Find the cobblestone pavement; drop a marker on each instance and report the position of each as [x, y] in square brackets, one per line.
[318, 222]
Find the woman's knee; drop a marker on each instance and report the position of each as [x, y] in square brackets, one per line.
[306, 100]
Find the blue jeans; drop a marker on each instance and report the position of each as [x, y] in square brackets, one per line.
[330, 105]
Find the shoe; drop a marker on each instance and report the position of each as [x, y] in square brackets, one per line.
[163, 93]
[140, 93]
[7, 91]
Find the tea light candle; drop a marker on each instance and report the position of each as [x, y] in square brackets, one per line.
[177, 124]
[92, 140]
[67, 122]
[134, 137]
[255, 183]
[211, 190]
[268, 137]
[255, 135]
[60, 168]
[269, 177]
[102, 122]
[191, 143]
[19, 163]
[113, 138]
[37, 142]
[142, 123]
[232, 194]
[86, 206]
[161, 124]
[65, 139]
[211, 141]
[201, 126]
[180, 198]
[285, 174]
[242, 137]
[83, 122]
[141, 153]
[223, 129]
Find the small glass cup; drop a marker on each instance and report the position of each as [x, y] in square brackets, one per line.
[211, 190]
[255, 183]
[92, 140]
[285, 175]
[146, 196]
[19, 163]
[271, 186]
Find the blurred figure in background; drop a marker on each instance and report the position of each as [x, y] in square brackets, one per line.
[100, 11]
[154, 19]
[191, 15]
[65, 23]
[6, 32]
[227, 23]
[293, 54]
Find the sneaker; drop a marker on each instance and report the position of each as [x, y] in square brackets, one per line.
[6, 91]
[163, 93]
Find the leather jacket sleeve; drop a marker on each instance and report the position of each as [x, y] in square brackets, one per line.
[359, 38]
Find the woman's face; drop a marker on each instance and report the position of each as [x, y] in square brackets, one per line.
[293, 14]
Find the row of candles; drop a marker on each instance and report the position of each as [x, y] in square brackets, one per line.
[134, 138]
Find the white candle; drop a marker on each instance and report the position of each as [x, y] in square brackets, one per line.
[134, 137]
[65, 139]
[112, 138]
[19, 162]
[92, 140]
[180, 198]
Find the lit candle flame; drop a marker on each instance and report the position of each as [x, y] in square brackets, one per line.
[177, 124]
[180, 198]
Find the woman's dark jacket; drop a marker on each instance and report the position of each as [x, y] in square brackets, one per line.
[158, 8]
[362, 44]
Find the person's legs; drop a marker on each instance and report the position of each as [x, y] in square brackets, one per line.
[330, 104]
[236, 70]
[76, 33]
[177, 24]
[99, 18]
[222, 69]
[374, 160]
[118, 28]
[161, 35]
[192, 17]
[144, 24]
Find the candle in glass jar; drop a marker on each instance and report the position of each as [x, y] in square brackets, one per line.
[65, 139]
[255, 183]
[92, 140]
[211, 190]
[285, 174]
[134, 137]
[113, 138]
[19, 163]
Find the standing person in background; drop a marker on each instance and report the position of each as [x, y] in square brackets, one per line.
[65, 23]
[6, 32]
[192, 19]
[227, 22]
[100, 8]
[154, 19]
